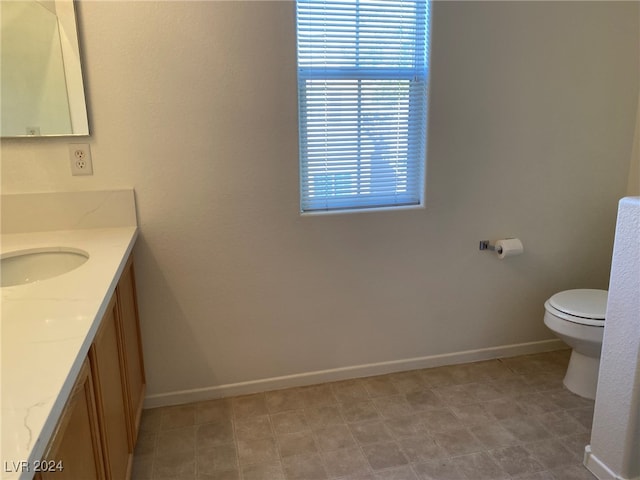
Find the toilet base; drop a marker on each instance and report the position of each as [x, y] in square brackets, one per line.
[582, 375]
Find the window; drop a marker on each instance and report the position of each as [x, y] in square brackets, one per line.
[362, 100]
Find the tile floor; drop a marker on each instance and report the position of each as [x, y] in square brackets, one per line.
[498, 419]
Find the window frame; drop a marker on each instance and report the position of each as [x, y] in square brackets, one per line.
[417, 78]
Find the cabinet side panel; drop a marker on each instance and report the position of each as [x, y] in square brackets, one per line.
[76, 444]
[109, 378]
[130, 330]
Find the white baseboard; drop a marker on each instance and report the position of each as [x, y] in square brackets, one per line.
[343, 373]
[599, 468]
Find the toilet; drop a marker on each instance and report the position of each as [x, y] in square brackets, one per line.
[577, 317]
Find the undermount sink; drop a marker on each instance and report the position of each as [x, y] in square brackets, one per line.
[27, 266]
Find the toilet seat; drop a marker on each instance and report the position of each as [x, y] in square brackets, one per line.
[582, 306]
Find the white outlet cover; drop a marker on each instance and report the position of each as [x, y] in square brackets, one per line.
[80, 164]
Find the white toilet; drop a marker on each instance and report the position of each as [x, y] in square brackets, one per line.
[577, 317]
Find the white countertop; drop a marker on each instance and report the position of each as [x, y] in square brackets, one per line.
[47, 328]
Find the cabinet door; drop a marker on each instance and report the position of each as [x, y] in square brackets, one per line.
[109, 379]
[76, 442]
[134, 366]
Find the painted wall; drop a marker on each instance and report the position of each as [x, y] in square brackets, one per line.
[615, 436]
[633, 188]
[194, 105]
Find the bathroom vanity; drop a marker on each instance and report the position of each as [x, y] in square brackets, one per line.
[98, 428]
[72, 367]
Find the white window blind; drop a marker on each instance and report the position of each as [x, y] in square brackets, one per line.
[362, 99]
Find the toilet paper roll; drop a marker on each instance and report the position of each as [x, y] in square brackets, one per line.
[508, 247]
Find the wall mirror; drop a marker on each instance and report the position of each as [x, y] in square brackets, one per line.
[41, 76]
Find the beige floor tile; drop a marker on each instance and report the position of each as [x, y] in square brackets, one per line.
[219, 475]
[408, 382]
[323, 416]
[536, 403]
[257, 451]
[513, 386]
[250, 405]
[550, 453]
[349, 391]
[151, 420]
[319, 396]
[439, 376]
[370, 432]
[543, 382]
[299, 443]
[221, 458]
[253, 428]
[178, 416]
[174, 465]
[424, 399]
[461, 374]
[177, 440]
[537, 363]
[504, 408]
[334, 437]
[489, 370]
[560, 423]
[384, 455]
[290, 421]
[443, 469]
[458, 442]
[572, 472]
[304, 467]
[209, 435]
[359, 411]
[516, 460]
[219, 410]
[283, 400]
[405, 426]
[145, 445]
[393, 406]
[472, 414]
[397, 473]
[576, 444]
[457, 394]
[483, 392]
[493, 435]
[567, 400]
[544, 475]
[583, 415]
[263, 471]
[346, 461]
[440, 420]
[142, 468]
[380, 386]
[480, 466]
[526, 429]
[421, 448]
[360, 476]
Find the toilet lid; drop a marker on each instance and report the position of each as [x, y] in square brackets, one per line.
[584, 303]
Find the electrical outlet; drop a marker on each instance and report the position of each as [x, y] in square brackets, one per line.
[80, 158]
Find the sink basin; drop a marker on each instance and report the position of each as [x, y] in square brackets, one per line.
[27, 266]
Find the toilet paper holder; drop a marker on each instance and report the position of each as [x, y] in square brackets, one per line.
[485, 245]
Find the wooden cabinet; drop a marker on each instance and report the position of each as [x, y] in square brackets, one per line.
[132, 348]
[76, 444]
[110, 386]
[96, 435]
